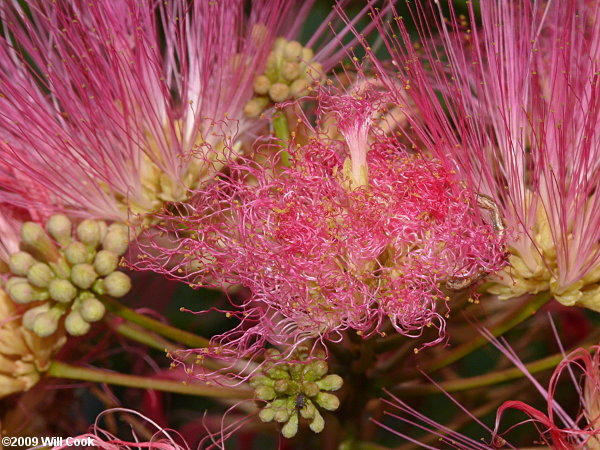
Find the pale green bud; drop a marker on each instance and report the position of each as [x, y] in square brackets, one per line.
[267, 414]
[20, 263]
[103, 229]
[261, 85]
[59, 226]
[282, 414]
[35, 238]
[92, 309]
[76, 325]
[98, 287]
[261, 380]
[117, 284]
[310, 388]
[46, 323]
[327, 401]
[282, 386]
[23, 292]
[88, 232]
[278, 373]
[299, 88]
[279, 92]
[279, 45]
[30, 315]
[255, 106]
[308, 411]
[315, 370]
[314, 71]
[40, 275]
[330, 383]
[290, 71]
[318, 423]
[116, 240]
[62, 291]
[293, 51]
[265, 393]
[77, 253]
[307, 54]
[83, 275]
[290, 429]
[105, 262]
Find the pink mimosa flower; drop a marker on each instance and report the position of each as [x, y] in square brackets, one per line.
[512, 96]
[105, 103]
[352, 234]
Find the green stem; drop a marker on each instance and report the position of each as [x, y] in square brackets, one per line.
[282, 132]
[175, 334]
[143, 337]
[514, 319]
[61, 370]
[463, 384]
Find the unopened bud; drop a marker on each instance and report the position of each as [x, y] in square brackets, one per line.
[105, 262]
[40, 275]
[330, 383]
[77, 253]
[261, 85]
[314, 71]
[290, 429]
[116, 240]
[299, 88]
[117, 284]
[83, 275]
[327, 401]
[290, 71]
[46, 323]
[35, 238]
[279, 92]
[23, 292]
[20, 263]
[307, 54]
[75, 325]
[59, 226]
[92, 309]
[293, 51]
[255, 107]
[318, 423]
[267, 414]
[30, 315]
[308, 411]
[315, 370]
[310, 388]
[265, 393]
[281, 386]
[282, 414]
[261, 380]
[62, 291]
[88, 232]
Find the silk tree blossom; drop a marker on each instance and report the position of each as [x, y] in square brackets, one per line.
[104, 103]
[514, 101]
[355, 234]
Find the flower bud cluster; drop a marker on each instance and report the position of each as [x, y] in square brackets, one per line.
[294, 389]
[289, 71]
[62, 273]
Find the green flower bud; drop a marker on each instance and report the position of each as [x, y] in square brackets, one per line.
[98, 287]
[307, 54]
[46, 323]
[315, 370]
[117, 284]
[103, 228]
[62, 291]
[20, 263]
[282, 386]
[318, 423]
[265, 393]
[261, 380]
[23, 292]
[330, 383]
[308, 411]
[77, 253]
[310, 388]
[282, 414]
[35, 238]
[279, 92]
[83, 275]
[40, 275]
[255, 106]
[59, 226]
[293, 51]
[116, 240]
[105, 262]
[290, 71]
[290, 429]
[299, 88]
[278, 372]
[327, 401]
[30, 315]
[92, 309]
[88, 232]
[261, 85]
[76, 325]
[314, 71]
[266, 414]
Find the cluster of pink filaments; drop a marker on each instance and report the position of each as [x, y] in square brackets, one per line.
[320, 256]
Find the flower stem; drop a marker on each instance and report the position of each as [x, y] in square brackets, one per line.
[142, 336]
[514, 319]
[62, 370]
[282, 132]
[175, 334]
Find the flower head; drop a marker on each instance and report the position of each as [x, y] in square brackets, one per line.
[514, 102]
